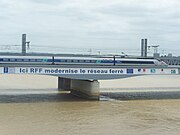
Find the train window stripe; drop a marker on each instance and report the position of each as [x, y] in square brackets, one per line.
[137, 62]
[75, 60]
[19, 60]
[107, 61]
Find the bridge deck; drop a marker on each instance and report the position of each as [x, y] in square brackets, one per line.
[88, 72]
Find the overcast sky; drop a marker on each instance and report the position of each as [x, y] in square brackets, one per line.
[112, 24]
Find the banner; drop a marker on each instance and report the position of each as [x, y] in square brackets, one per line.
[102, 71]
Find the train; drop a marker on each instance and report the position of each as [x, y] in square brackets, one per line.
[55, 60]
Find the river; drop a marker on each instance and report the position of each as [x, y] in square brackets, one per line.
[31, 105]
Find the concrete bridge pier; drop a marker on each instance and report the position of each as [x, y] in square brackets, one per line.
[89, 89]
[86, 89]
[64, 84]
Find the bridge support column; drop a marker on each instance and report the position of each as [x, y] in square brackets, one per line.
[81, 88]
[64, 84]
[86, 89]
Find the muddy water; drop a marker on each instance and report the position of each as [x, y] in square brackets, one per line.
[29, 108]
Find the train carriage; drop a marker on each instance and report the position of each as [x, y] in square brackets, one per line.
[78, 60]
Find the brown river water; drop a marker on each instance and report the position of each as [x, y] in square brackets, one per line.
[31, 105]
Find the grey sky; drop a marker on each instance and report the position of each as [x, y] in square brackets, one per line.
[109, 24]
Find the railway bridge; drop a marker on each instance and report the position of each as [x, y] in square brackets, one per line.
[82, 80]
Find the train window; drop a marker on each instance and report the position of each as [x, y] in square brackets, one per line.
[38, 60]
[69, 61]
[75, 61]
[87, 61]
[32, 60]
[5, 59]
[19, 60]
[12, 59]
[65, 61]
[26, 60]
[81, 61]
[137, 62]
[119, 61]
[92, 61]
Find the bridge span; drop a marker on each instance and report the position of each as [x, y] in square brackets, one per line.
[82, 80]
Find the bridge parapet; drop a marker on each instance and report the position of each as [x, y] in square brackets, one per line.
[90, 73]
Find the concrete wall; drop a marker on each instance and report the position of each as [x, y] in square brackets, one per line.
[86, 89]
[82, 88]
[64, 84]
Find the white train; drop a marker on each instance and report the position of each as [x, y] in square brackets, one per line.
[78, 60]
